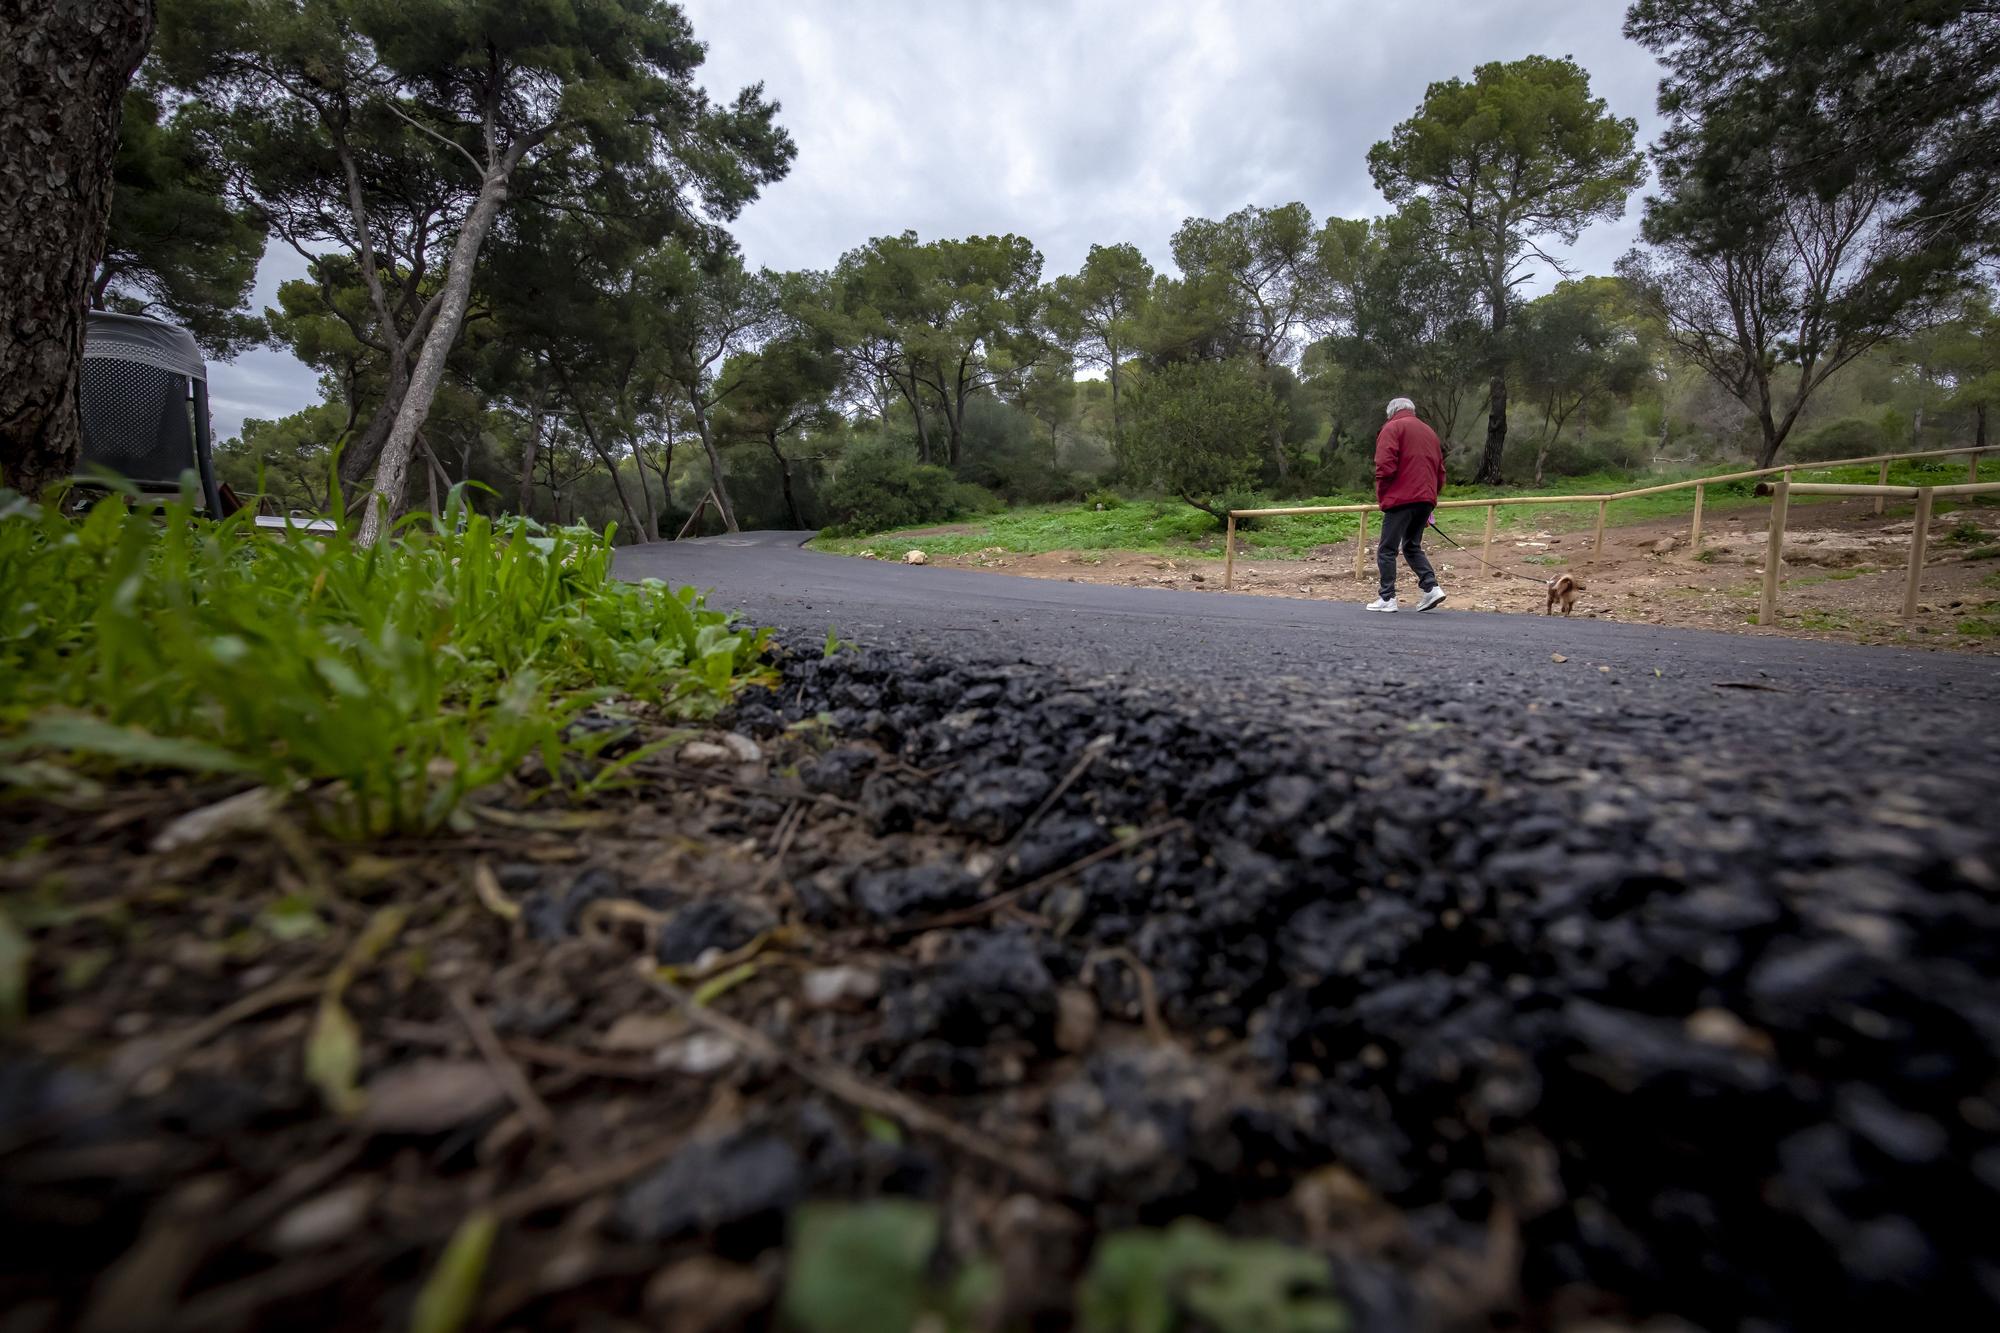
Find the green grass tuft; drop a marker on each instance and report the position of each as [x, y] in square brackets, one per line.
[394, 680]
[1171, 527]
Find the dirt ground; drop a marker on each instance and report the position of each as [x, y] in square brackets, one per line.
[1844, 574]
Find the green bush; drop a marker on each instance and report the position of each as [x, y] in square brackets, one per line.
[1198, 430]
[1850, 437]
[1002, 452]
[880, 487]
[394, 680]
[1571, 456]
[1102, 499]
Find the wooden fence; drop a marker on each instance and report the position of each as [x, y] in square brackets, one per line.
[1784, 489]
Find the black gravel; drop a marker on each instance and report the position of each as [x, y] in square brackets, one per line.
[1697, 986]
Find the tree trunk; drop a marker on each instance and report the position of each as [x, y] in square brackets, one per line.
[1771, 440]
[1117, 422]
[785, 481]
[528, 451]
[714, 464]
[909, 393]
[1496, 399]
[1979, 425]
[394, 467]
[69, 62]
[610, 464]
[649, 514]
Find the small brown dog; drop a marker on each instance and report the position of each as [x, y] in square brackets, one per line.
[1563, 589]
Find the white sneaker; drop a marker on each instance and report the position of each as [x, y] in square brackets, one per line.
[1381, 604]
[1432, 598]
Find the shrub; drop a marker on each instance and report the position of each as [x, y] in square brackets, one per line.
[401, 677]
[1199, 429]
[875, 491]
[1001, 451]
[1850, 437]
[1102, 499]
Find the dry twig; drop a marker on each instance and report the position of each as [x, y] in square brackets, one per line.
[858, 1092]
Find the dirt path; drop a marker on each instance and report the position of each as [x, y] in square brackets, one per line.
[1844, 572]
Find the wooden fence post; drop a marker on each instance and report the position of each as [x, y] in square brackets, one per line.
[1360, 541]
[1920, 533]
[1694, 537]
[1597, 547]
[1486, 553]
[1229, 555]
[1882, 479]
[1767, 608]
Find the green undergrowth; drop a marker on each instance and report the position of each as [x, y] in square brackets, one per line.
[383, 684]
[1171, 527]
[870, 1268]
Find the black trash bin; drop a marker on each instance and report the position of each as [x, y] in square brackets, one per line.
[145, 404]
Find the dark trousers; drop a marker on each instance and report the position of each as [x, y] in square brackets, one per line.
[1403, 530]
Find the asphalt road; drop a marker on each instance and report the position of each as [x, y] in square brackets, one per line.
[1733, 897]
[1211, 641]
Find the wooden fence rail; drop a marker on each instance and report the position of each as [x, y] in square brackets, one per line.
[1781, 493]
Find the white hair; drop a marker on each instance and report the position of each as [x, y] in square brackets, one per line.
[1400, 405]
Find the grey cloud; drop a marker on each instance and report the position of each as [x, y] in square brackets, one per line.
[1081, 123]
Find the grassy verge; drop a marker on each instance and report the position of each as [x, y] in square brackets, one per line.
[1173, 528]
[380, 686]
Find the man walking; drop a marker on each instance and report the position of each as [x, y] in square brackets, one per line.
[1409, 473]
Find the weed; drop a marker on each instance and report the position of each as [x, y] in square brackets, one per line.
[1825, 620]
[1966, 533]
[397, 678]
[1983, 553]
[1979, 627]
[1706, 556]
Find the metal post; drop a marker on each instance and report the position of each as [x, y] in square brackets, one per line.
[1920, 533]
[1767, 609]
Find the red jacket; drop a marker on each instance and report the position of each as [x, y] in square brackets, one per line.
[1409, 463]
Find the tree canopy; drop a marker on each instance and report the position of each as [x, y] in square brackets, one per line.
[1521, 156]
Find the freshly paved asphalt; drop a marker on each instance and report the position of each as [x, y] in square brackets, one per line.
[1240, 645]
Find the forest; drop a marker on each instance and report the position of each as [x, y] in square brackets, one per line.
[521, 276]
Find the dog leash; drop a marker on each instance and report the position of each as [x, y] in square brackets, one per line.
[1510, 573]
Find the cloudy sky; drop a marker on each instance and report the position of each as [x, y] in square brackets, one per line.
[1092, 121]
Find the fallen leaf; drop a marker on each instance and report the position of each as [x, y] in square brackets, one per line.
[486, 887]
[445, 1303]
[245, 812]
[703, 1294]
[641, 1032]
[716, 987]
[326, 1220]
[430, 1096]
[697, 1054]
[15, 952]
[333, 1057]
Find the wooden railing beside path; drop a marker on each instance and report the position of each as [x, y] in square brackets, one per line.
[1782, 492]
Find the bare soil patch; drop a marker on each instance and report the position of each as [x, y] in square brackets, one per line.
[1844, 574]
